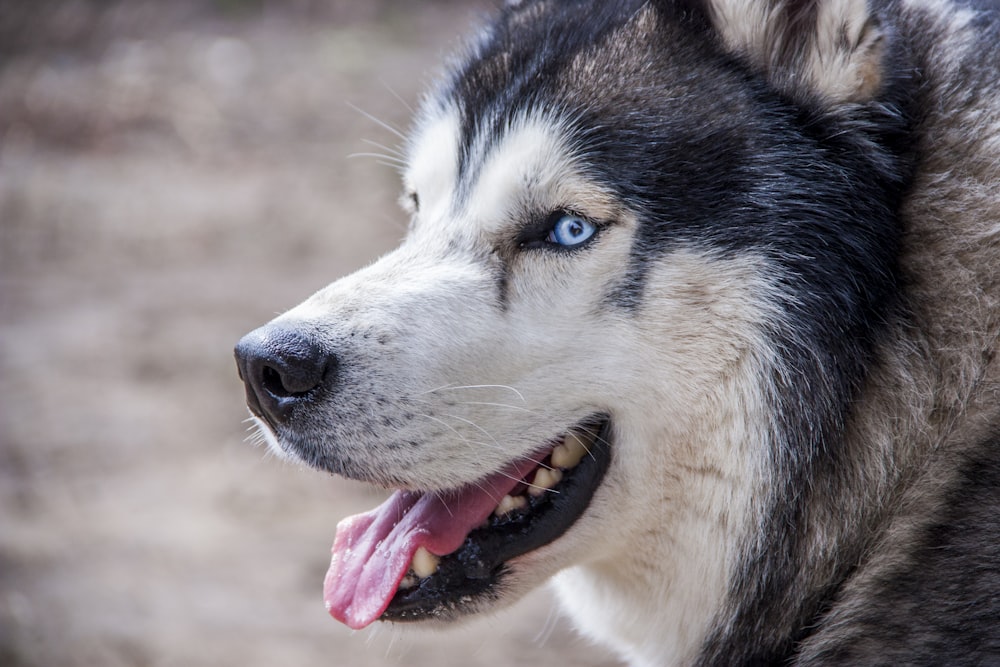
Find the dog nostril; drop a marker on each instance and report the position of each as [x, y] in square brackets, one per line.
[271, 382]
[279, 386]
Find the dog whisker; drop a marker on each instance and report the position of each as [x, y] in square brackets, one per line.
[388, 149]
[478, 428]
[462, 437]
[436, 389]
[450, 387]
[501, 405]
[377, 121]
[406, 105]
[387, 160]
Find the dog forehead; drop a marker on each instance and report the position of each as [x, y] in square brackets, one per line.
[540, 91]
[525, 124]
[519, 170]
[526, 167]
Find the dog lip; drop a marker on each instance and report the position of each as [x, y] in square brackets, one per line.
[474, 570]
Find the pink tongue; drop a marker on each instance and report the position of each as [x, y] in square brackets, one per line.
[372, 551]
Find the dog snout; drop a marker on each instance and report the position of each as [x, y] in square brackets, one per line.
[282, 368]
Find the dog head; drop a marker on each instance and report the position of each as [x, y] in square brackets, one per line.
[634, 224]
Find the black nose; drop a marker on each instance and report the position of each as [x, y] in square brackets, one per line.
[282, 368]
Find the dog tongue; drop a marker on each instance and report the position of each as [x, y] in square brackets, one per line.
[372, 551]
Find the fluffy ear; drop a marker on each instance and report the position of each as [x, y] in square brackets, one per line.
[830, 49]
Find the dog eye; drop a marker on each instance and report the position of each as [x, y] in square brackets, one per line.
[570, 231]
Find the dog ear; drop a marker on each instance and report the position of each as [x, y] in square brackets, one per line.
[832, 50]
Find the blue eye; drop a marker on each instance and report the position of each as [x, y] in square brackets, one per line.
[571, 231]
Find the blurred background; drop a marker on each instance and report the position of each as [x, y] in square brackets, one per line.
[172, 175]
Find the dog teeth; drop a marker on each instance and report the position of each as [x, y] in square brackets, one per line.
[424, 563]
[565, 455]
[510, 504]
[544, 480]
[571, 450]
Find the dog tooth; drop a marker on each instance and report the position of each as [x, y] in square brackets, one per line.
[571, 451]
[509, 504]
[561, 456]
[424, 563]
[409, 581]
[544, 480]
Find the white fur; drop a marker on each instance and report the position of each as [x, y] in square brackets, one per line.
[433, 163]
[694, 464]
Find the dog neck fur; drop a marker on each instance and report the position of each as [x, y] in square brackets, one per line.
[656, 600]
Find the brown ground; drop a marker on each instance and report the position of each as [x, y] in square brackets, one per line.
[171, 175]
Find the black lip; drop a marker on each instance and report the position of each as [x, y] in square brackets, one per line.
[472, 573]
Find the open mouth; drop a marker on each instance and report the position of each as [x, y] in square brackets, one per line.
[423, 555]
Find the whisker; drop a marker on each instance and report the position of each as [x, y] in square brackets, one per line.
[502, 405]
[526, 483]
[459, 433]
[446, 425]
[388, 149]
[388, 160]
[399, 97]
[255, 435]
[431, 391]
[445, 503]
[478, 428]
[543, 488]
[541, 464]
[495, 444]
[450, 387]
[378, 122]
[444, 499]
[597, 438]
[490, 492]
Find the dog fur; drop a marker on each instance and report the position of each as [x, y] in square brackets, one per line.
[790, 311]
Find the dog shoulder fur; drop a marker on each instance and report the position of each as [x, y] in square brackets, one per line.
[928, 425]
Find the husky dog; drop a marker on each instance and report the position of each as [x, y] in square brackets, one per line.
[698, 313]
